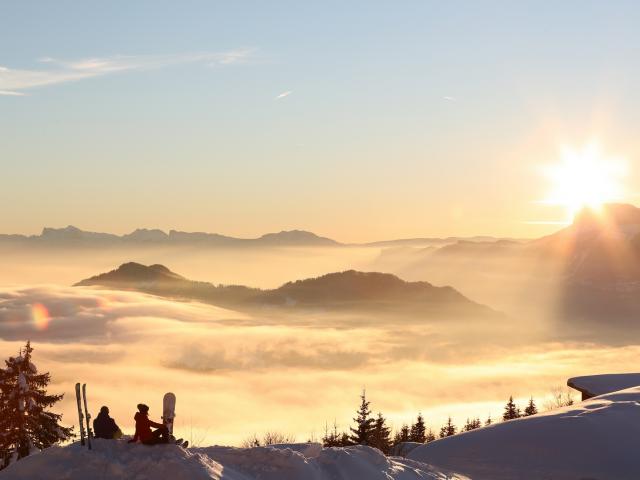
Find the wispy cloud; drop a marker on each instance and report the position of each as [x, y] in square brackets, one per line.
[284, 94]
[9, 93]
[56, 71]
[240, 55]
[449, 99]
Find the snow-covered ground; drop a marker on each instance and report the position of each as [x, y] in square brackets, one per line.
[592, 440]
[597, 439]
[115, 459]
[600, 384]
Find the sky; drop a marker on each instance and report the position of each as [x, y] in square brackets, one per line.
[355, 120]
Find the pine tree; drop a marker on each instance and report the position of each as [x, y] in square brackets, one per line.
[488, 421]
[418, 430]
[361, 434]
[430, 436]
[472, 424]
[448, 429]
[402, 435]
[381, 435]
[531, 408]
[332, 438]
[511, 411]
[24, 423]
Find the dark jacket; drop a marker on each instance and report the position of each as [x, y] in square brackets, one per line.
[143, 427]
[104, 426]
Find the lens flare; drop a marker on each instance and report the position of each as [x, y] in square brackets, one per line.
[40, 316]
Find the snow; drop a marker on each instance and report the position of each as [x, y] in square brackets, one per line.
[594, 385]
[116, 459]
[594, 439]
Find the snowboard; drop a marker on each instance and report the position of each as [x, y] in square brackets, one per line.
[169, 411]
[80, 415]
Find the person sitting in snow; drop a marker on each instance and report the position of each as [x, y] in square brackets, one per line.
[143, 428]
[105, 427]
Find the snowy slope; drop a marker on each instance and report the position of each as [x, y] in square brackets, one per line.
[600, 384]
[112, 459]
[596, 439]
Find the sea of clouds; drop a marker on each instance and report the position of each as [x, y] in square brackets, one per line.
[235, 374]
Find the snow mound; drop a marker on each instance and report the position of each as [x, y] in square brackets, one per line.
[115, 459]
[593, 385]
[595, 439]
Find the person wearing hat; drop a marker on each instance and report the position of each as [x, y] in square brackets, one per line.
[143, 428]
[105, 427]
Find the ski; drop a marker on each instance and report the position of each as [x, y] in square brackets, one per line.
[169, 411]
[87, 414]
[80, 416]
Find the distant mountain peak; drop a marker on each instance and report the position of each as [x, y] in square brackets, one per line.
[611, 214]
[296, 236]
[132, 272]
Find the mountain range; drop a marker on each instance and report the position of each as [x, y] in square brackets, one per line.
[73, 236]
[348, 290]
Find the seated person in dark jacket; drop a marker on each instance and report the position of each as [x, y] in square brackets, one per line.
[104, 426]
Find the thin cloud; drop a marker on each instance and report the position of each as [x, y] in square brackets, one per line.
[284, 94]
[240, 55]
[450, 99]
[9, 93]
[64, 71]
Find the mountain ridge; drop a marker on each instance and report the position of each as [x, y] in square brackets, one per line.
[338, 290]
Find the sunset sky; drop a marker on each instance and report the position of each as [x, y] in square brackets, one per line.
[365, 121]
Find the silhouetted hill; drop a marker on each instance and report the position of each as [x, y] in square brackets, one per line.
[598, 248]
[350, 289]
[159, 280]
[134, 273]
[598, 257]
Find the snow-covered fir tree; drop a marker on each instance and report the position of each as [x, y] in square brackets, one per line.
[448, 429]
[511, 411]
[381, 435]
[361, 434]
[25, 424]
[418, 430]
[531, 409]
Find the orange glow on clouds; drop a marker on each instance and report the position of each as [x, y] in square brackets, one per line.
[40, 316]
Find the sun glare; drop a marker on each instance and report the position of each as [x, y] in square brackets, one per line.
[585, 178]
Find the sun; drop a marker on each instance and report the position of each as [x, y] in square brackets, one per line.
[585, 178]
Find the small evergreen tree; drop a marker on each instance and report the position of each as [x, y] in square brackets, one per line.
[418, 431]
[361, 434]
[472, 424]
[402, 435]
[332, 438]
[488, 421]
[381, 435]
[511, 411]
[531, 408]
[24, 423]
[448, 429]
[430, 436]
